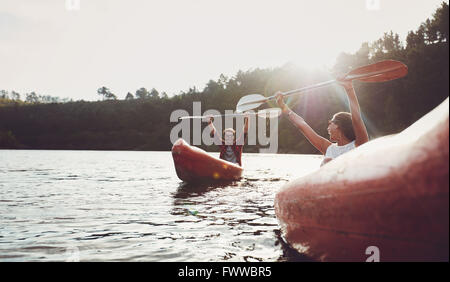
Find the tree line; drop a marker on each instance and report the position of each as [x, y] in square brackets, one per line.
[12, 97]
[140, 121]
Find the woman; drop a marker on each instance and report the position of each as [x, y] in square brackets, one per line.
[347, 130]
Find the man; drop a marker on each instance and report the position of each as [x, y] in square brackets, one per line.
[230, 147]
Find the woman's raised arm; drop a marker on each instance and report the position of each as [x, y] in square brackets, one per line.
[361, 135]
[315, 139]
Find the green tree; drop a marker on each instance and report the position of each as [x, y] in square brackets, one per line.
[15, 95]
[164, 95]
[441, 22]
[4, 94]
[142, 93]
[129, 96]
[103, 91]
[110, 96]
[106, 93]
[32, 97]
[154, 94]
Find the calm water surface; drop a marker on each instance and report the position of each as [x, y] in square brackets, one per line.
[130, 206]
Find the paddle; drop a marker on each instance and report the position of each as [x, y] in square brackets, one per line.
[377, 72]
[266, 113]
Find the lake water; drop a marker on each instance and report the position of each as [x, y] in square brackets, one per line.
[130, 206]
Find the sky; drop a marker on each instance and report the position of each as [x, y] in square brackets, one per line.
[70, 48]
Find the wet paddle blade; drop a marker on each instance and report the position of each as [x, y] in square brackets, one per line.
[379, 72]
[250, 102]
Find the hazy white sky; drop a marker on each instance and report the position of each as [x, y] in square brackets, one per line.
[172, 45]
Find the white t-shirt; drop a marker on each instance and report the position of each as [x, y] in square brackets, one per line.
[334, 151]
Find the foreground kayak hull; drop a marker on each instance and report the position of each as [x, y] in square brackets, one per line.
[193, 164]
[388, 198]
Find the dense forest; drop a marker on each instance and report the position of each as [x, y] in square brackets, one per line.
[140, 121]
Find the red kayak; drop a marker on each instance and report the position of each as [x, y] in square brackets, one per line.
[389, 196]
[193, 164]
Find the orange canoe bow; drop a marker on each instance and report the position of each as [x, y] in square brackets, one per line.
[391, 193]
[193, 164]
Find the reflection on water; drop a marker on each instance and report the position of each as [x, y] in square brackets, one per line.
[130, 206]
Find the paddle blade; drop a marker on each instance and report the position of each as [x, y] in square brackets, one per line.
[250, 102]
[379, 72]
[269, 113]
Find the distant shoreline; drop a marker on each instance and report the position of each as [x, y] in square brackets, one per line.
[162, 151]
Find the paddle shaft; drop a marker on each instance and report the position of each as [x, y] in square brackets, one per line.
[260, 113]
[229, 115]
